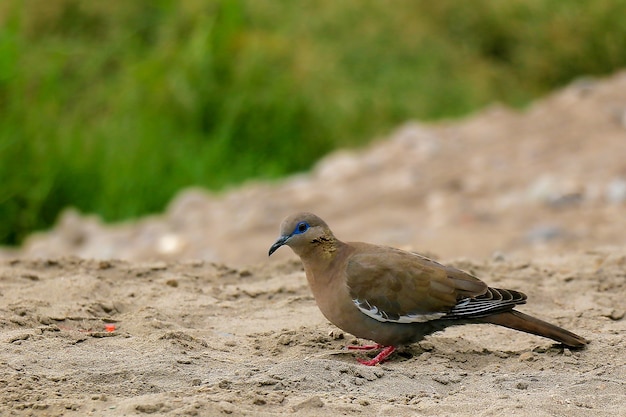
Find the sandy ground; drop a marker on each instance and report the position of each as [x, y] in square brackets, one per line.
[182, 313]
[206, 339]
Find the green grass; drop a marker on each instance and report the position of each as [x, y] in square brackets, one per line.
[113, 106]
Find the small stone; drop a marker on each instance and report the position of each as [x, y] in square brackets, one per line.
[617, 314]
[616, 191]
[442, 379]
[427, 345]
[224, 384]
[226, 407]
[104, 265]
[31, 277]
[498, 256]
[149, 408]
[169, 243]
[285, 340]
[526, 356]
[544, 233]
[336, 334]
[311, 403]
[244, 273]
[522, 385]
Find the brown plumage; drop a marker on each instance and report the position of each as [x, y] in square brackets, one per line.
[394, 297]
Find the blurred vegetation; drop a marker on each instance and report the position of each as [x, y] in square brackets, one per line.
[114, 106]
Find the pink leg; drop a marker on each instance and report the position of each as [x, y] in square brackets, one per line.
[365, 347]
[384, 354]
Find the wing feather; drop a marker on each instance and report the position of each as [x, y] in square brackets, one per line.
[495, 300]
[397, 286]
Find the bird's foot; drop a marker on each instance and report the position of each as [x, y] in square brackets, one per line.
[365, 347]
[384, 354]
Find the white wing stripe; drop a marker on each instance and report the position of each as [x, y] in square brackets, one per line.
[377, 314]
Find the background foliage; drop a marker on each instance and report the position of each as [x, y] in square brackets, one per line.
[113, 106]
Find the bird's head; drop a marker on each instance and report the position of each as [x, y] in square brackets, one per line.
[301, 232]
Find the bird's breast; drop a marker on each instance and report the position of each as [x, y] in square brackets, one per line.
[334, 301]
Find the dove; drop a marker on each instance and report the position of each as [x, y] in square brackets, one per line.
[395, 297]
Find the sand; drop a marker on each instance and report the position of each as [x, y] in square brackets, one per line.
[206, 339]
[182, 314]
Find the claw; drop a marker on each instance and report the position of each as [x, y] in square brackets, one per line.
[364, 347]
[384, 354]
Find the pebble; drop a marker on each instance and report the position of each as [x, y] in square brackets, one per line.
[617, 314]
[226, 407]
[498, 256]
[544, 233]
[311, 403]
[616, 191]
[522, 385]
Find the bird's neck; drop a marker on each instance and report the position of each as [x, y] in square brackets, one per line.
[320, 257]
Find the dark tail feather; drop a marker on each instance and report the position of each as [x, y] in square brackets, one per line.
[523, 322]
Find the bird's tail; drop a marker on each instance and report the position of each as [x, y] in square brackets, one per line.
[523, 322]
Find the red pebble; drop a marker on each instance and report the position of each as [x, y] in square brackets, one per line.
[109, 327]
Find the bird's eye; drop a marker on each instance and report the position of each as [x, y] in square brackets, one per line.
[301, 228]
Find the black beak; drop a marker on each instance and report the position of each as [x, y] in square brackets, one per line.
[279, 242]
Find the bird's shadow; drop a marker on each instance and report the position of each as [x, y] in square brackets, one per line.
[450, 350]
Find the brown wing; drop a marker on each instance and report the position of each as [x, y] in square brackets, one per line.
[393, 285]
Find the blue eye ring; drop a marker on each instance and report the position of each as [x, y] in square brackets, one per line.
[301, 228]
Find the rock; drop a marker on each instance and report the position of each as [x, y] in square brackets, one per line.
[310, 404]
[616, 191]
[544, 233]
[617, 314]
